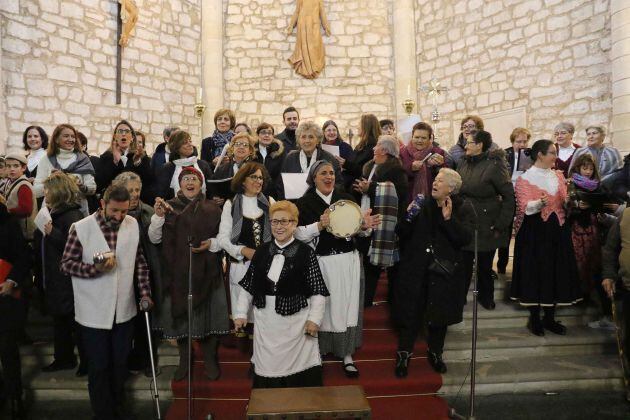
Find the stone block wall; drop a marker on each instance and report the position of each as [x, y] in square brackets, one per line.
[358, 78]
[59, 65]
[551, 57]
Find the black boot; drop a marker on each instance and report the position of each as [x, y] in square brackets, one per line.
[436, 362]
[210, 357]
[534, 325]
[402, 363]
[182, 369]
[549, 322]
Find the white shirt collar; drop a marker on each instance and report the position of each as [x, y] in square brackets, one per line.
[285, 245]
[326, 198]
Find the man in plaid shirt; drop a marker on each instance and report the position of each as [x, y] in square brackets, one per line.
[104, 296]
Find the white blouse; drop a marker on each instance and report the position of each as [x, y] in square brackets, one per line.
[250, 210]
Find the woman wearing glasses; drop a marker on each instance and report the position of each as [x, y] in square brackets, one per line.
[545, 270]
[244, 222]
[339, 262]
[489, 201]
[241, 149]
[270, 152]
[286, 288]
[122, 156]
[190, 217]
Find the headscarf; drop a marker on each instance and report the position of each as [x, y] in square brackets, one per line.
[310, 179]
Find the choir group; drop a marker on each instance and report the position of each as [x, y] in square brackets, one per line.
[249, 220]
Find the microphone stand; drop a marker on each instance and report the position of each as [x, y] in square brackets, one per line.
[190, 307]
[452, 413]
[156, 395]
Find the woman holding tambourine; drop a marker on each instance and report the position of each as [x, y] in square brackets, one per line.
[328, 221]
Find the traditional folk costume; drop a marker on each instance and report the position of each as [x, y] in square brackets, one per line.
[22, 204]
[198, 218]
[340, 264]
[244, 223]
[195, 218]
[285, 286]
[545, 271]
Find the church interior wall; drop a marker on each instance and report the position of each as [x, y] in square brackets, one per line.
[59, 65]
[550, 58]
[358, 77]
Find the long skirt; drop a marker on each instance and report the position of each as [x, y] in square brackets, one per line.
[210, 317]
[588, 252]
[341, 329]
[545, 271]
[281, 348]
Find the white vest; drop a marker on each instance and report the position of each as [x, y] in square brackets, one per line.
[97, 300]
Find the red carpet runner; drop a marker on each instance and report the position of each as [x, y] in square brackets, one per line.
[390, 398]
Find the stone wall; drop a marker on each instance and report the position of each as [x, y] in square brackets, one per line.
[358, 78]
[551, 57]
[59, 65]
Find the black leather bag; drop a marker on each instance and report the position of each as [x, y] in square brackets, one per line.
[440, 266]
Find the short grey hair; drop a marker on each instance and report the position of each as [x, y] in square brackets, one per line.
[306, 127]
[597, 127]
[166, 133]
[125, 177]
[453, 179]
[390, 145]
[565, 126]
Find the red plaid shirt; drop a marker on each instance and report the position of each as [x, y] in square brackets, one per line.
[72, 261]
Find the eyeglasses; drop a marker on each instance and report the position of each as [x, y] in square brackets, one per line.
[123, 131]
[190, 178]
[469, 126]
[266, 132]
[281, 222]
[240, 144]
[256, 178]
[471, 143]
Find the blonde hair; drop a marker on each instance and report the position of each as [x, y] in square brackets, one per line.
[61, 189]
[287, 206]
[243, 135]
[517, 132]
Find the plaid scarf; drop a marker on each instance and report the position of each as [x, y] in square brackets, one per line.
[384, 251]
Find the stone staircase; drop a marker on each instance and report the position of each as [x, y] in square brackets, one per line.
[509, 358]
[512, 360]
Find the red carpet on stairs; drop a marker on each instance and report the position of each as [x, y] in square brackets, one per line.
[390, 398]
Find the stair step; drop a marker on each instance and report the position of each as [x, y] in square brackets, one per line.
[519, 342]
[507, 375]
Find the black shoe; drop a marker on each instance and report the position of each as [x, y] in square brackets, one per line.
[494, 275]
[501, 270]
[57, 365]
[402, 363]
[148, 373]
[534, 325]
[350, 370]
[436, 362]
[488, 304]
[554, 326]
[82, 370]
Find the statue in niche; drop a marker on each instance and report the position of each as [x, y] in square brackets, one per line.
[308, 58]
[129, 17]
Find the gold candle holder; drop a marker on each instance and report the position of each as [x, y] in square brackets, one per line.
[200, 108]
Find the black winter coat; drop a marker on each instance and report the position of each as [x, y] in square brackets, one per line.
[392, 171]
[273, 163]
[441, 298]
[108, 170]
[14, 250]
[487, 186]
[58, 286]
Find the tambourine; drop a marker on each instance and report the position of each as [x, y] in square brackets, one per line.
[345, 219]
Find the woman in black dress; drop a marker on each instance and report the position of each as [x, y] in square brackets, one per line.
[545, 270]
[431, 277]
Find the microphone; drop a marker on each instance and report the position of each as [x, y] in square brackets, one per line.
[190, 239]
